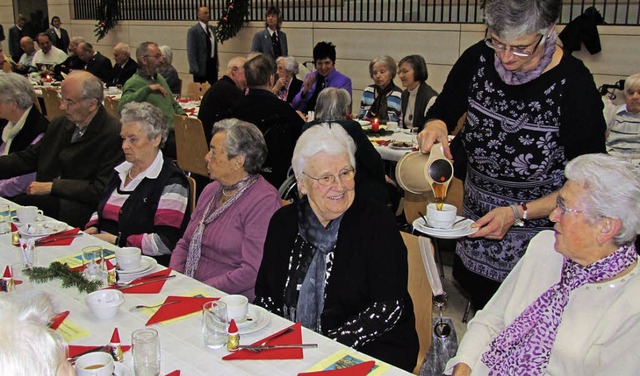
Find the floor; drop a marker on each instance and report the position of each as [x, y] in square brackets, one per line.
[456, 304]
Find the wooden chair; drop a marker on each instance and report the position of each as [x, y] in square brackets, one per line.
[52, 102]
[6, 67]
[36, 102]
[196, 89]
[191, 145]
[192, 194]
[420, 292]
[111, 105]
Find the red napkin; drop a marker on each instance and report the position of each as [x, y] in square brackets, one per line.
[58, 319]
[78, 349]
[174, 373]
[187, 305]
[361, 369]
[66, 241]
[293, 338]
[150, 288]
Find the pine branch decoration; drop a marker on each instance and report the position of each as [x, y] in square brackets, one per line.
[233, 19]
[70, 278]
[107, 14]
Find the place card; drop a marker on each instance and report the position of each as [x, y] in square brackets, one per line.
[71, 332]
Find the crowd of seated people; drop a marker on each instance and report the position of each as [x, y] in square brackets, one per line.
[118, 181]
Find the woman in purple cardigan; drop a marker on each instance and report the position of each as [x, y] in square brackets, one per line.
[223, 243]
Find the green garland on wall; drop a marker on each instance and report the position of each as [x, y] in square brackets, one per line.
[232, 19]
[107, 14]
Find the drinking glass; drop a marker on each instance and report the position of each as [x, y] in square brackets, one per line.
[5, 219]
[93, 263]
[214, 324]
[145, 347]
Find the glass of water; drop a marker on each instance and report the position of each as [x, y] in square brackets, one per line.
[145, 347]
[5, 218]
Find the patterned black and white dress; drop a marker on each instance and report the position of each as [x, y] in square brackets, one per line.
[517, 140]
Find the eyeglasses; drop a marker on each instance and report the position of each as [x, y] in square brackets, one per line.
[516, 50]
[157, 56]
[563, 209]
[327, 180]
[70, 102]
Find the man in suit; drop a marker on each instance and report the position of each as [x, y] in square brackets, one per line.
[73, 61]
[271, 41]
[218, 101]
[125, 66]
[16, 33]
[74, 159]
[202, 49]
[58, 36]
[95, 63]
[276, 119]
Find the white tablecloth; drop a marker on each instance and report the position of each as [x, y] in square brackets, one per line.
[181, 341]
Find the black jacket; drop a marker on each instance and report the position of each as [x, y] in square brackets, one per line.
[120, 75]
[425, 93]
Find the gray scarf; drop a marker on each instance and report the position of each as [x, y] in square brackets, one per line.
[519, 78]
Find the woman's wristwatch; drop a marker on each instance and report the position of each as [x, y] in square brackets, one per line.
[519, 221]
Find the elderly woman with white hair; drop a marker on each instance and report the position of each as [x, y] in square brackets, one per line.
[335, 263]
[570, 306]
[287, 85]
[25, 126]
[168, 71]
[145, 203]
[383, 99]
[27, 346]
[623, 138]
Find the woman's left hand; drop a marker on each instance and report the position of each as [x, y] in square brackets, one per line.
[495, 224]
[109, 238]
[39, 188]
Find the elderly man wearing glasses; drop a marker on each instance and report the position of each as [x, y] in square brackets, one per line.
[530, 109]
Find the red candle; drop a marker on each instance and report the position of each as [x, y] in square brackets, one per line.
[375, 125]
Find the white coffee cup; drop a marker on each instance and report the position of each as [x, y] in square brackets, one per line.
[237, 306]
[28, 214]
[95, 364]
[441, 218]
[128, 258]
[392, 125]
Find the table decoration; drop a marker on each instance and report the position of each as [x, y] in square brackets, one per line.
[70, 332]
[140, 285]
[293, 337]
[174, 373]
[187, 305]
[70, 278]
[56, 320]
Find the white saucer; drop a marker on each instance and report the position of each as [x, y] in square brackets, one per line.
[257, 318]
[460, 230]
[44, 228]
[364, 123]
[121, 370]
[402, 147]
[146, 263]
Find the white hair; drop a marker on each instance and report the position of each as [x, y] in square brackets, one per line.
[329, 138]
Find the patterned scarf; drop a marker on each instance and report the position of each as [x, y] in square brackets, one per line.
[524, 347]
[379, 106]
[195, 246]
[519, 77]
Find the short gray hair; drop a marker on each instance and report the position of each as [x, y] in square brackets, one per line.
[27, 345]
[333, 104]
[632, 82]
[244, 139]
[149, 116]
[143, 49]
[16, 88]
[167, 53]
[124, 48]
[512, 19]
[91, 85]
[290, 64]
[612, 190]
[385, 60]
[77, 40]
[329, 138]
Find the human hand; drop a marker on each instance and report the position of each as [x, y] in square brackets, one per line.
[434, 131]
[91, 230]
[461, 369]
[39, 188]
[495, 224]
[308, 81]
[158, 89]
[303, 116]
[109, 238]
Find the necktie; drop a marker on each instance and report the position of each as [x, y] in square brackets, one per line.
[275, 42]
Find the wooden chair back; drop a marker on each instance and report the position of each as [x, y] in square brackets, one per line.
[36, 102]
[191, 145]
[192, 194]
[197, 89]
[421, 294]
[111, 105]
[6, 67]
[52, 102]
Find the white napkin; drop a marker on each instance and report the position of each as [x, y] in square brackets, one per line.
[430, 265]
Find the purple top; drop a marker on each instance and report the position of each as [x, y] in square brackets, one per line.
[17, 184]
[333, 79]
[232, 245]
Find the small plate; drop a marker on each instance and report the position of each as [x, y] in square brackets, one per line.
[364, 123]
[121, 370]
[146, 263]
[257, 318]
[402, 147]
[44, 228]
[460, 230]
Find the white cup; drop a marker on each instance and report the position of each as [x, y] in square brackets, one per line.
[128, 258]
[392, 125]
[441, 218]
[237, 306]
[28, 214]
[95, 364]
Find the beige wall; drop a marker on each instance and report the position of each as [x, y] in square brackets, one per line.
[357, 43]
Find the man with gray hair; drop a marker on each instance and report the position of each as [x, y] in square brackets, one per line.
[73, 62]
[124, 66]
[74, 159]
[95, 63]
[168, 71]
[25, 64]
[218, 101]
[276, 119]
